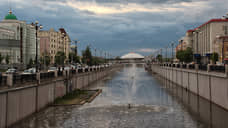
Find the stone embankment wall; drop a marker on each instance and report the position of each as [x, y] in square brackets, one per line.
[212, 86]
[18, 103]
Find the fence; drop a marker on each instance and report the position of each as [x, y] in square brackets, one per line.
[3, 80]
[214, 68]
[217, 68]
[23, 78]
[47, 75]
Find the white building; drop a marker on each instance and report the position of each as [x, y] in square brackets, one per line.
[19, 31]
[205, 36]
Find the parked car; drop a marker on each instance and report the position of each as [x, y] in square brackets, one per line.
[11, 71]
[67, 68]
[29, 71]
[52, 69]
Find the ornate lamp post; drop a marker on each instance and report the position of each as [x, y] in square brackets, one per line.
[172, 44]
[37, 27]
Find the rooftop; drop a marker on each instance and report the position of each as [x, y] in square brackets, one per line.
[10, 16]
[132, 55]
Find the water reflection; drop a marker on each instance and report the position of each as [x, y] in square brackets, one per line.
[208, 113]
[155, 102]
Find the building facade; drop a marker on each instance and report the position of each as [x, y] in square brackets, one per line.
[58, 41]
[13, 31]
[221, 47]
[185, 42]
[205, 36]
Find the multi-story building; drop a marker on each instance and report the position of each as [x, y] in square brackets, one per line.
[58, 41]
[18, 40]
[221, 47]
[185, 41]
[204, 37]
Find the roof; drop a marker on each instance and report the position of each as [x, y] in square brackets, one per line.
[132, 56]
[208, 22]
[62, 30]
[190, 30]
[10, 16]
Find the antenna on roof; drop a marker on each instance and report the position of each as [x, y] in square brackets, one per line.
[10, 7]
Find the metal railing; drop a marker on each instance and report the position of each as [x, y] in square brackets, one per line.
[23, 78]
[3, 80]
[217, 68]
[47, 75]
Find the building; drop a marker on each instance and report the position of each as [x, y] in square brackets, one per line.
[17, 40]
[58, 41]
[44, 45]
[185, 42]
[205, 36]
[221, 47]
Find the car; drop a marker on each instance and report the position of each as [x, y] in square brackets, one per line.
[67, 68]
[52, 69]
[29, 71]
[73, 66]
[11, 71]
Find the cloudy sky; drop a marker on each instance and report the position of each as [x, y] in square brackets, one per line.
[119, 26]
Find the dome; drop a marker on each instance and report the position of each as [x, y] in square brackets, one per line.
[10, 16]
[132, 56]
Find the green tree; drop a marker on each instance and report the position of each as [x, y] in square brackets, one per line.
[159, 57]
[7, 59]
[185, 55]
[73, 58]
[87, 56]
[60, 58]
[117, 58]
[45, 59]
[98, 60]
[214, 57]
[31, 63]
[1, 58]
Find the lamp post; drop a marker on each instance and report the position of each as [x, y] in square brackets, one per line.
[63, 46]
[166, 59]
[161, 56]
[37, 27]
[172, 44]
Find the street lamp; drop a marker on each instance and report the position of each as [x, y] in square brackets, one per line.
[166, 59]
[63, 46]
[37, 27]
[172, 44]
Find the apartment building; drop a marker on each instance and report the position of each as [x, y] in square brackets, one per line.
[57, 41]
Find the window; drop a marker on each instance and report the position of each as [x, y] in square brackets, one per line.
[225, 28]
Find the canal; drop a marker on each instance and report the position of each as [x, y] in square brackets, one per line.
[134, 98]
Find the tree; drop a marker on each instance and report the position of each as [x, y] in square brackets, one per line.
[31, 63]
[214, 57]
[98, 60]
[73, 58]
[185, 55]
[1, 58]
[159, 57]
[7, 59]
[87, 56]
[117, 58]
[45, 60]
[60, 58]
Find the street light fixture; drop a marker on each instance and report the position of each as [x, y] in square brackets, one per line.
[37, 27]
[172, 44]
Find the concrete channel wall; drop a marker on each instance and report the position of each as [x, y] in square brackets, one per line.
[212, 86]
[18, 103]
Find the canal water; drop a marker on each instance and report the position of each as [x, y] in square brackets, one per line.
[134, 98]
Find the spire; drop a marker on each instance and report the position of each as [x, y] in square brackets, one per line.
[10, 16]
[10, 11]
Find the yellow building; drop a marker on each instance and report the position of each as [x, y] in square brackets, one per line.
[59, 41]
[221, 47]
